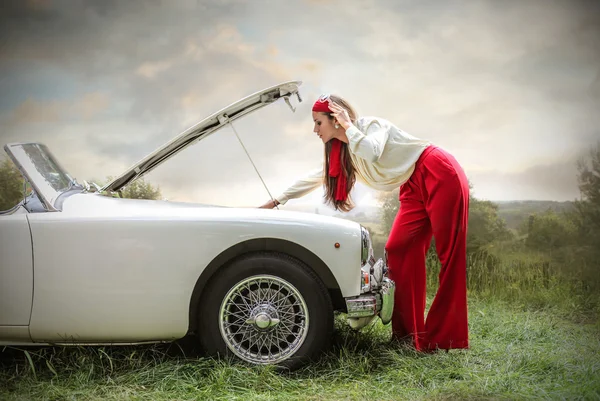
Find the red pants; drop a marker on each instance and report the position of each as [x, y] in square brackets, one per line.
[434, 201]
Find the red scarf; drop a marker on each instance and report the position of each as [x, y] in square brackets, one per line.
[336, 170]
[335, 155]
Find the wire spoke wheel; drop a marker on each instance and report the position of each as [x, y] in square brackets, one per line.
[258, 308]
[263, 319]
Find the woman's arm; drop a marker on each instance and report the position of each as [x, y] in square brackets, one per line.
[302, 186]
[369, 146]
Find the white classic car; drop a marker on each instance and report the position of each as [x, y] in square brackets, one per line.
[81, 265]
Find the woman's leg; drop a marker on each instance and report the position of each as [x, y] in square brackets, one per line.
[447, 205]
[407, 245]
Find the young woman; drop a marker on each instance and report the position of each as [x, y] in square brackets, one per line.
[434, 200]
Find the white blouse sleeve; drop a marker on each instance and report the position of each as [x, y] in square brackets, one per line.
[303, 186]
[368, 145]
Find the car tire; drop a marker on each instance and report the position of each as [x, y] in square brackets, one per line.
[266, 309]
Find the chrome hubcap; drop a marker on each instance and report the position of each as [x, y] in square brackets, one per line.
[263, 319]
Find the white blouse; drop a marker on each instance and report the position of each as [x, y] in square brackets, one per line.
[384, 157]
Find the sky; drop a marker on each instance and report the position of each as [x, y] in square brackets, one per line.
[510, 88]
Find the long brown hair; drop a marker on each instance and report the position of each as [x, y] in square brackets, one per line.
[346, 162]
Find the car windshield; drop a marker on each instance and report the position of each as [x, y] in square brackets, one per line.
[42, 170]
[47, 166]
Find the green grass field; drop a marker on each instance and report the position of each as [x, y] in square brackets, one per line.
[517, 352]
[534, 330]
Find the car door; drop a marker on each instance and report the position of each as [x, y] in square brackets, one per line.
[16, 269]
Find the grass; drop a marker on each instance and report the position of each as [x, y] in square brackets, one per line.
[534, 331]
[516, 353]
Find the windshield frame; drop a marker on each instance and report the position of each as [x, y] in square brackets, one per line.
[39, 176]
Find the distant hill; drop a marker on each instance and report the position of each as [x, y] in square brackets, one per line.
[514, 212]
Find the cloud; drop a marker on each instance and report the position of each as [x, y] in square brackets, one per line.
[111, 81]
[92, 104]
[150, 70]
[33, 111]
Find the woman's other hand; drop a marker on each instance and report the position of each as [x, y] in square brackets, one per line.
[340, 114]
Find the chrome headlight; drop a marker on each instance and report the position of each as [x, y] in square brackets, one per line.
[366, 245]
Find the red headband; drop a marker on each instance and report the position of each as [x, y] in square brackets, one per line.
[322, 105]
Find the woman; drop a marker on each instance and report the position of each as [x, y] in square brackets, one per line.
[434, 198]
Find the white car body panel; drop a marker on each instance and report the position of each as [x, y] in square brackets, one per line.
[16, 272]
[148, 256]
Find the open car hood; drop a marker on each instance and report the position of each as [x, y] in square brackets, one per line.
[204, 128]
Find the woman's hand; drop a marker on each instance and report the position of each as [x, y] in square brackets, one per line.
[269, 205]
[340, 114]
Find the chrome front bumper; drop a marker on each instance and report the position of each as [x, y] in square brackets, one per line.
[377, 298]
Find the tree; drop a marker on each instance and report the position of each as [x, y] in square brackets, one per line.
[485, 225]
[571, 239]
[11, 185]
[587, 216]
[588, 207]
[140, 189]
[389, 208]
[549, 231]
